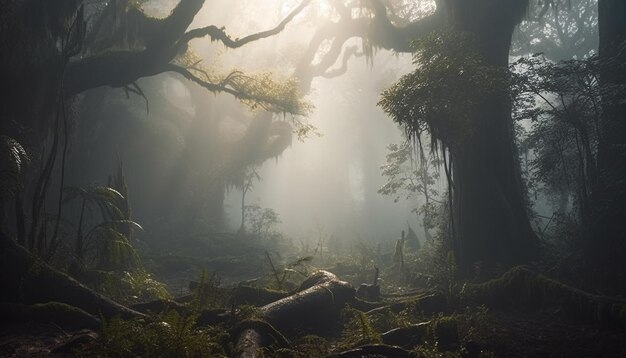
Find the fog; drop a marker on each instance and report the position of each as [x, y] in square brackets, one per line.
[329, 182]
[312, 178]
[326, 183]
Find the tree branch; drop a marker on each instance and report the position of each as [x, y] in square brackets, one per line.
[162, 41]
[379, 32]
[386, 35]
[218, 34]
[348, 53]
[231, 86]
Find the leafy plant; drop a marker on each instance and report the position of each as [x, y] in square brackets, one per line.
[282, 274]
[169, 335]
[13, 161]
[414, 179]
[563, 102]
[358, 329]
[106, 241]
[127, 287]
[206, 292]
[441, 94]
[262, 221]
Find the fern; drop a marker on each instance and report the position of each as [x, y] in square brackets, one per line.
[13, 161]
[167, 335]
[358, 329]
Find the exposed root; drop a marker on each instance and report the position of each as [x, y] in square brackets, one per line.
[520, 286]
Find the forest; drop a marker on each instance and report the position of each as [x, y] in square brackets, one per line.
[313, 178]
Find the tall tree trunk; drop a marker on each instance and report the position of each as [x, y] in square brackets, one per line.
[606, 238]
[491, 218]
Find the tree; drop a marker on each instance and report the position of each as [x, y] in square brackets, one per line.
[248, 177]
[413, 177]
[64, 49]
[489, 209]
[564, 104]
[560, 30]
[606, 244]
[50, 53]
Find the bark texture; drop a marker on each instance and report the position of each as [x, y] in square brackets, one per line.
[606, 237]
[316, 305]
[28, 280]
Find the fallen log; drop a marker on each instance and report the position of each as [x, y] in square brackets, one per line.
[28, 280]
[255, 296]
[317, 303]
[159, 306]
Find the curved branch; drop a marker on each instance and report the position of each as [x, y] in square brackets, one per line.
[218, 34]
[385, 34]
[229, 85]
[349, 52]
[163, 40]
[379, 32]
[339, 33]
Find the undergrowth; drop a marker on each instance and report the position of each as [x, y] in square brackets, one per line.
[166, 335]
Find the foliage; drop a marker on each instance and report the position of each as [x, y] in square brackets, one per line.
[169, 335]
[13, 160]
[563, 102]
[106, 244]
[449, 82]
[206, 294]
[262, 221]
[260, 91]
[561, 29]
[413, 179]
[358, 329]
[282, 274]
[313, 346]
[126, 287]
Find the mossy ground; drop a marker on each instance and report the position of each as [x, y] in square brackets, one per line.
[454, 325]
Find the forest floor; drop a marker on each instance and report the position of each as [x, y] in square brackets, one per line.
[482, 332]
[503, 334]
[543, 334]
[478, 330]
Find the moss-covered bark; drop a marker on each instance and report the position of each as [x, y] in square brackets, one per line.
[316, 304]
[28, 280]
[522, 287]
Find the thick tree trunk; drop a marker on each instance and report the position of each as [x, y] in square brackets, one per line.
[492, 223]
[490, 209]
[606, 237]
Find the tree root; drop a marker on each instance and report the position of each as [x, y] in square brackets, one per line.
[520, 286]
[28, 280]
[375, 349]
[407, 336]
[160, 305]
[59, 314]
[428, 304]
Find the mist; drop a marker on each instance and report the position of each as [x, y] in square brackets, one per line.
[312, 178]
